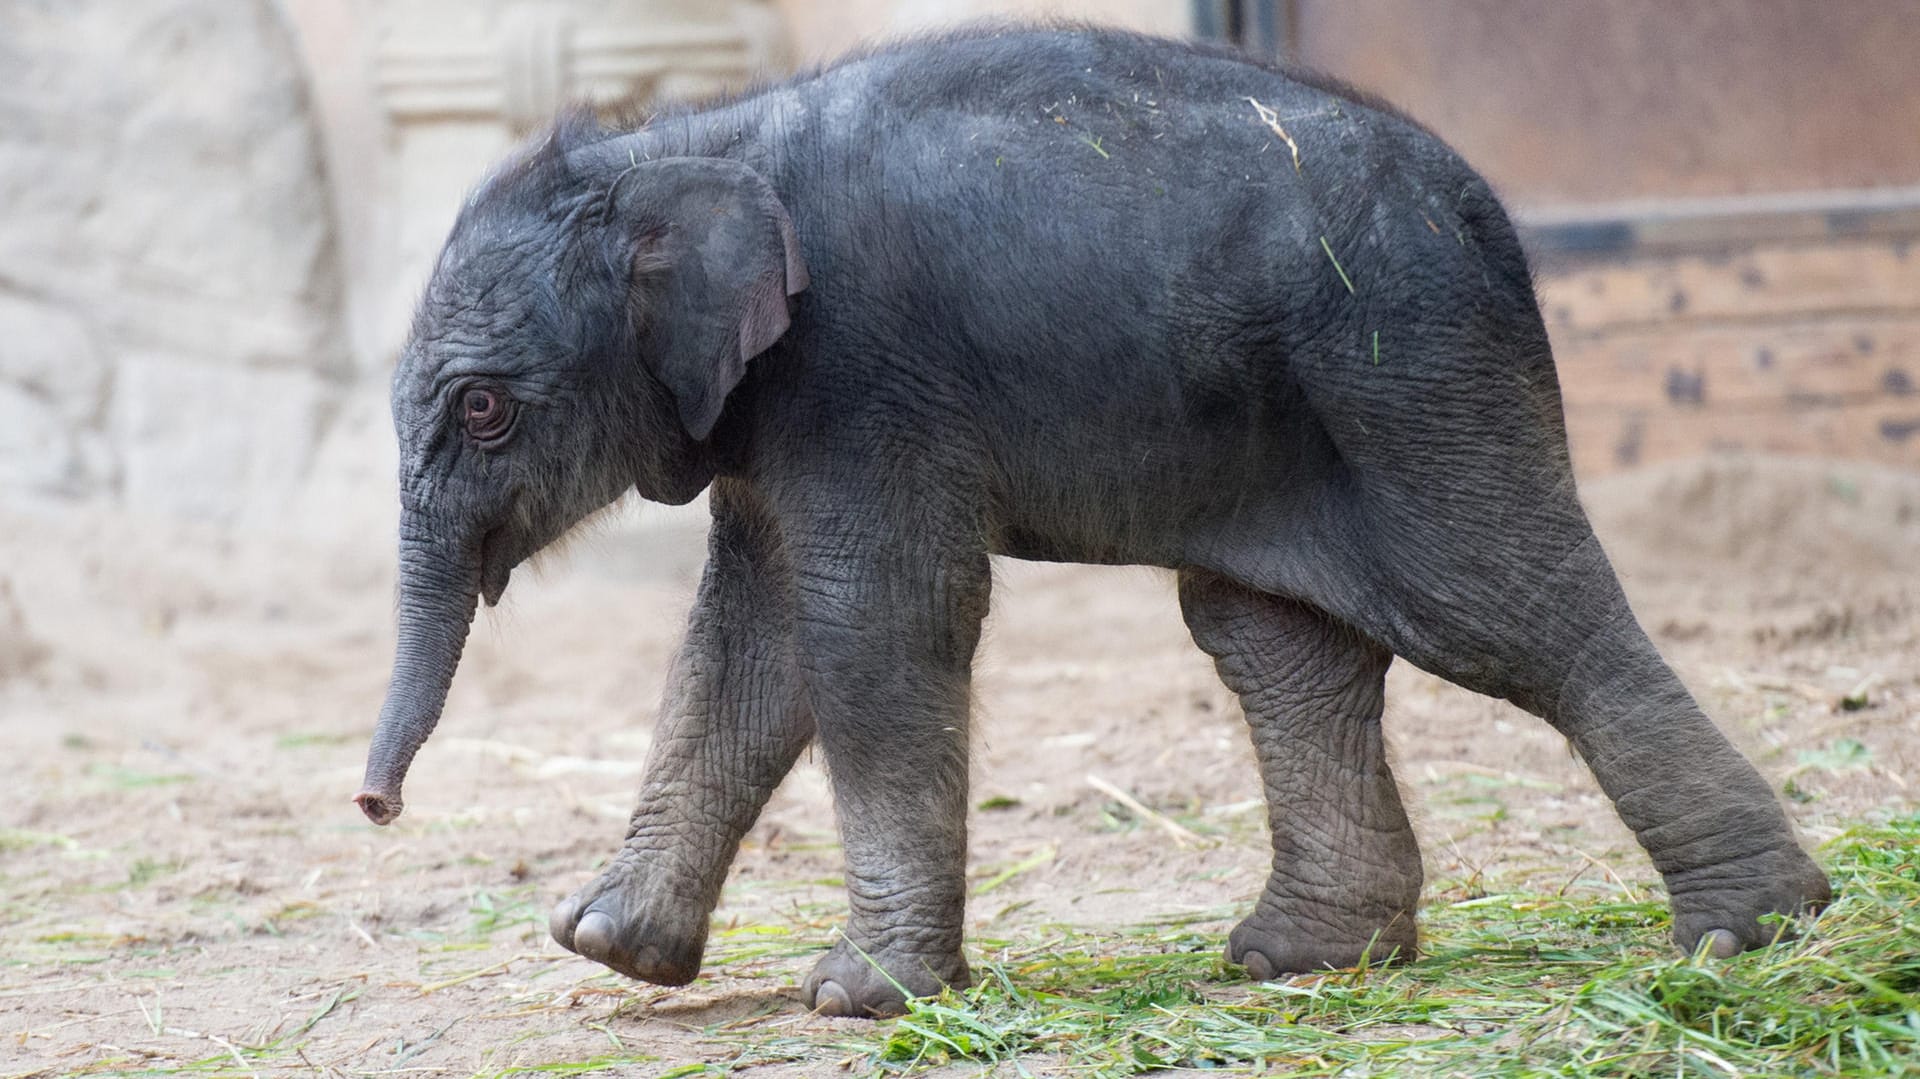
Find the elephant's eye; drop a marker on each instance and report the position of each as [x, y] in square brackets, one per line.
[488, 413]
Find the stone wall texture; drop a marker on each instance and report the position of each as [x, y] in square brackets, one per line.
[217, 214]
[169, 295]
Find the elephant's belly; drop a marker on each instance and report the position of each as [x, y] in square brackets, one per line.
[1172, 507]
[1109, 520]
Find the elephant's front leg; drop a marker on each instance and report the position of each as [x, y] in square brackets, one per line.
[732, 725]
[888, 626]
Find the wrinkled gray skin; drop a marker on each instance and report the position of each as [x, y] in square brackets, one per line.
[1050, 294]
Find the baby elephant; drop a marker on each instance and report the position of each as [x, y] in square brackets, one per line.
[1061, 294]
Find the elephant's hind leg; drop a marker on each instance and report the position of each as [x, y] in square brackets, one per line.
[1346, 869]
[1503, 612]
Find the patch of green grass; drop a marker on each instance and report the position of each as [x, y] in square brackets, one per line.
[25, 839]
[309, 739]
[488, 914]
[1005, 873]
[145, 871]
[491, 913]
[1511, 984]
[1839, 755]
[113, 775]
[236, 1057]
[739, 947]
[288, 914]
[591, 1066]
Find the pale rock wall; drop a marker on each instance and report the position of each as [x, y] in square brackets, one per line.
[215, 216]
[169, 295]
[416, 99]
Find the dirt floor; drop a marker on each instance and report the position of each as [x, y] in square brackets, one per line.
[184, 884]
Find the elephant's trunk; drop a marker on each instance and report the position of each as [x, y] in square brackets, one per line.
[439, 587]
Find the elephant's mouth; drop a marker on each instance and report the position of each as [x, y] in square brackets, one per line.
[500, 552]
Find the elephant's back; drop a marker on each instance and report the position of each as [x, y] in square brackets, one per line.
[1159, 168]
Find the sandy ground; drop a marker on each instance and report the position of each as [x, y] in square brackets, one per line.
[183, 717]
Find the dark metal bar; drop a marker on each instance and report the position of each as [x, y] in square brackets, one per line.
[1209, 19]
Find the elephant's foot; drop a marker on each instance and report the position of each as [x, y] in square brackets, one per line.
[632, 925]
[1289, 936]
[875, 983]
[1722, 905]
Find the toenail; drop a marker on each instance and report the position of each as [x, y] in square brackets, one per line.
[830, 999]
[593, 937]
[1258, 965]
[1721, 944]
[560, 922]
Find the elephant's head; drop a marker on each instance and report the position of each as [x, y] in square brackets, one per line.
[581, 332]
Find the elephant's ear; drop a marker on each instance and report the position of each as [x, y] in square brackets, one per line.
[713, 257]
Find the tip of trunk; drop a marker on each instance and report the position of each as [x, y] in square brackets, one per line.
[437, 596]
[380, 806]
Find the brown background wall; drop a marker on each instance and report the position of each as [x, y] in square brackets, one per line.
[1593, 101]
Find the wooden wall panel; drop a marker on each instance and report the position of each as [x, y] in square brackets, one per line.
[1767, 282]
[1793, 348]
